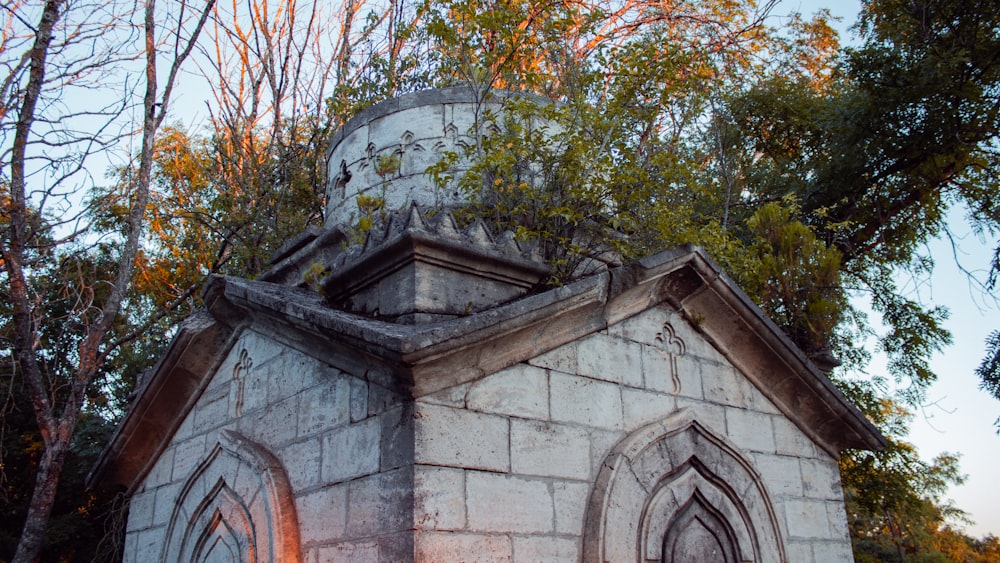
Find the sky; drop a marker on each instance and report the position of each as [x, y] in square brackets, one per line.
[957, 417]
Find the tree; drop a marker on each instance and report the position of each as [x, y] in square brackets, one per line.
[905, 129]
[815, 176]
[68, 40]
[226, 198]
[83, 522]
[678, 122]
[215, 203]
[894, 500]
[989, 369]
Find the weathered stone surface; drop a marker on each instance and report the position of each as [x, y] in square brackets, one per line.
[611, 359]
[187, 455]
[643, 406]
[750, 430]
[807, 519]
[184, 431]
[520, 390]
[290, 373]
[644, 328]
[323, 514]
[549, 449]
[274, 424]
[667, 373]
[380, 503]
[459, 438]
[454, 396]
[212, 410]
[455, 546]
[349, 551]
[570, 500]
[725, 386]
[141, 509]
[326, 405]
[837, 518]
[145, 541]
[439, 498]
[504, 504]
[397, 433]
[352, 451]
[163, 468]
[784, 475]
[546, 548]
[802, 551]
[789, 440]
[163, 505]
[832, 551]
[304, 461]
[586, 401]
[382, 398]
[359, 400]
[821, 479]
[561, 359]
[397, 546]
[708, 414]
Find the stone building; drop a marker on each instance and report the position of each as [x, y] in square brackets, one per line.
[414, 398]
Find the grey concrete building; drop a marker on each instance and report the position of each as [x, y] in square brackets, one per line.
[415, 398]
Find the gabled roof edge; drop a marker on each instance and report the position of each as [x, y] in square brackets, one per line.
[440, 354]
[162, 400]
[809, 393]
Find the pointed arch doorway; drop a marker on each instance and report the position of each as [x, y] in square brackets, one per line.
[673, 491]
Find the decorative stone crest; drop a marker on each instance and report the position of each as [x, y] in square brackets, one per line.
[674, 347]
[419, 128]
[240, 371]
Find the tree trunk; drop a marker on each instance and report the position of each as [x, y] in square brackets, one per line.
[57, 423]
[42, 499]
[47, 479]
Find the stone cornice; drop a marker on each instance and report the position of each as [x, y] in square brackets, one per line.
[422, 359]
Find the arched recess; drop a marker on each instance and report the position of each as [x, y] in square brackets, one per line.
[236, 506]
[673, 488]
[698, 532]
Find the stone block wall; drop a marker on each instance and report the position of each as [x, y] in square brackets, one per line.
[341, 442]
[506, 465]
[416, 130]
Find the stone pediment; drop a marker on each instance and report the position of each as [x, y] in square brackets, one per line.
[423, 359]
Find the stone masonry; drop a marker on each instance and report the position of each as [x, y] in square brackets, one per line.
[648, 412]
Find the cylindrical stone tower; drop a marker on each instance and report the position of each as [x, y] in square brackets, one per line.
[384, 151]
